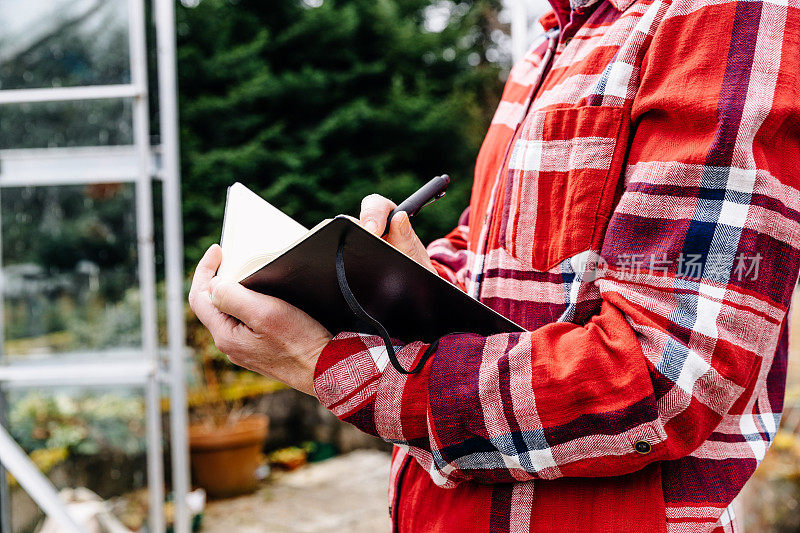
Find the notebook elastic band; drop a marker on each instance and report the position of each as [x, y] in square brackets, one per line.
[375, 325]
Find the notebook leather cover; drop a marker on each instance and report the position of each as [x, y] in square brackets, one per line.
[411, 302]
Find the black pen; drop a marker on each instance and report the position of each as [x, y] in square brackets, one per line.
[427, 194]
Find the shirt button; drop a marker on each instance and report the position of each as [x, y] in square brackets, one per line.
[642, 447]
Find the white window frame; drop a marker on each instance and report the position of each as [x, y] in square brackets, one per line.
[138, 163]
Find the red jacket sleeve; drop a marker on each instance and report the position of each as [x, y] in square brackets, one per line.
[449, 254]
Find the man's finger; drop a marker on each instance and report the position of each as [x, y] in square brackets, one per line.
[207, 267]
[402, 236]
[219, 324]
[234, 299]
[202, 276]
[374, 210]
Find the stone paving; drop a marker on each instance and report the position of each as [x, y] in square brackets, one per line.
[343, 494]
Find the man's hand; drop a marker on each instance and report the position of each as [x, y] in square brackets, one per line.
[256, 331]
[374, 210]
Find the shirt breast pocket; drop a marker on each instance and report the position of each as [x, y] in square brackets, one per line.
[563, 171]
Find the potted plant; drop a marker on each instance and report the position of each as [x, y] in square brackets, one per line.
[225, 439]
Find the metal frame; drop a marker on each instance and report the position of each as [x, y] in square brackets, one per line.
[65, 94]
[164, 14]
[138, 164]
[73, 166]
[34, 482]
[147, 261]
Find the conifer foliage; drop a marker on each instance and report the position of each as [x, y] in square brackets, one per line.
[316, 103]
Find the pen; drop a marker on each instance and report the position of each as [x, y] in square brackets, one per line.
[427, 194]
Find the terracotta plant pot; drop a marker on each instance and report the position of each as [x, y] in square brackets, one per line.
[224, 459]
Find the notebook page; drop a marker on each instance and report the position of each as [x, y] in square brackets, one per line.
[253, 227]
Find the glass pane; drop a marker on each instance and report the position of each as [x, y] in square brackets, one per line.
[94, 440]
[58, 124]
[70, 267]
[63, 43]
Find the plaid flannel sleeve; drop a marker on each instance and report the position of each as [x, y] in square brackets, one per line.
[687, 338]
[449, 256]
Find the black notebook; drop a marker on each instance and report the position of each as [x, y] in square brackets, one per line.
[268, 252]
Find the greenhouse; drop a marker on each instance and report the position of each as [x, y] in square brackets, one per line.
[91, 255]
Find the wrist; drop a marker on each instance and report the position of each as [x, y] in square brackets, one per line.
[308, 364]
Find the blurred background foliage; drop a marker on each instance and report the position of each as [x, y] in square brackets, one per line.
[81, 423]
[315, 105]
[70, 265]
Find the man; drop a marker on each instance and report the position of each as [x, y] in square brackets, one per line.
[635, 208]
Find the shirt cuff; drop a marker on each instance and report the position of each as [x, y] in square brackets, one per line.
[348, 371]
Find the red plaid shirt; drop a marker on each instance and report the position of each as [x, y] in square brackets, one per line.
[635, 208]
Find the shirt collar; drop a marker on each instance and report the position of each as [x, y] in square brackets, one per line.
[622, 5]
[567, 5]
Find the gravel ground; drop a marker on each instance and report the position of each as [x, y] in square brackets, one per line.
[346, 493]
